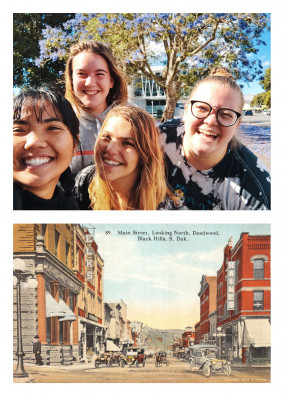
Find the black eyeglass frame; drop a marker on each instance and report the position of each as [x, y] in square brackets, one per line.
[218, 110]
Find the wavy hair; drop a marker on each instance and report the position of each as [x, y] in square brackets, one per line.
[151, 188]
[117, 94]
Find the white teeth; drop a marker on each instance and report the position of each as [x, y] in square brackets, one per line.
[208, 133]
[91, 93]
[109, 162]
[37, 161]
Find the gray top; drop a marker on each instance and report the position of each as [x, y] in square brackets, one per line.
[90, 126]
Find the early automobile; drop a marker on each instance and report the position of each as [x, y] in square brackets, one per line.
[103, 359]
[161, 358]
[204, 357]
[135, 356]
[117, 358]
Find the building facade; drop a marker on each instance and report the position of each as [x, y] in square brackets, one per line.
[207, 294]
[66, 309]
[188, 337]
[147, 94]
[243, 299]
[88, 267]
[50, 310]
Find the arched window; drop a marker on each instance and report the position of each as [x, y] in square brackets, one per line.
[258, 266]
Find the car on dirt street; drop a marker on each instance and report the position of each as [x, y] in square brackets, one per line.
[204, 357]
[103, 359]
[135, 356]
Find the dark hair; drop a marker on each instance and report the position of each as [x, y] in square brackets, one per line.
[35, 98]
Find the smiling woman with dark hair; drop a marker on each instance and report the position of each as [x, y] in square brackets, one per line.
[45, 135]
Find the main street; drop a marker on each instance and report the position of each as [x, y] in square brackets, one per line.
[177, 372]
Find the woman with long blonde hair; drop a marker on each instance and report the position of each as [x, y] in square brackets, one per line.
[129, 169]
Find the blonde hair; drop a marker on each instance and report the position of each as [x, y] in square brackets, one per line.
[151, 188]
[223, 76]
[117, 94]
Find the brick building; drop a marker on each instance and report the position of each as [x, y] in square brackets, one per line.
[88, 267]
[188, 337]
[207, 294]
[243, 298]
[197, 332]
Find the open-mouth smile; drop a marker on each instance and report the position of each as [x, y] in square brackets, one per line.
[208, 134]
[37, 161]
[90, 92]
[112, 163]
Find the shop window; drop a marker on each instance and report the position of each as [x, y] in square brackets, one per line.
[258, 300]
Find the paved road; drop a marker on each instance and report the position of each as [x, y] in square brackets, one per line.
[258, 119]
[176, 372]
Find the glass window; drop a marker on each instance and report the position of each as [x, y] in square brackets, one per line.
[258, 300]
[67, 248]
[258, 268]
[56, 234]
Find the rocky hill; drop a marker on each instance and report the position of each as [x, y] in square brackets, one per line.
[161, 339]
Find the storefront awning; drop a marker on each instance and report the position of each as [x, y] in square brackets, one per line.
[257, 333]
[110, 346]
[52, 307]
[69, 315]
[61, 310]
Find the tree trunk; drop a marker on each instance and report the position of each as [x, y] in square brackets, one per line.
[170, 103]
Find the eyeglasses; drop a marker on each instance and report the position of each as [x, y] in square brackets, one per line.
[225, 116]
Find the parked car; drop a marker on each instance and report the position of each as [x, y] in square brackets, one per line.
[248, 112]
[103, 359]
[204, 357]
[135, 356]
[117, 358]
[266, 112]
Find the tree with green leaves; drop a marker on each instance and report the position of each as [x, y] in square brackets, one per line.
[187, 45]
[27, 32]
[263, 99]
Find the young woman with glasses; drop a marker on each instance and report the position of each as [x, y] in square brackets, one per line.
[206, 165]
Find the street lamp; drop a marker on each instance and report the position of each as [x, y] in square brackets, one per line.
[22, 273]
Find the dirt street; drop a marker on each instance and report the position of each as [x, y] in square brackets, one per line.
[176, 372]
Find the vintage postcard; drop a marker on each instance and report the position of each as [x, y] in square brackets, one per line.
[137, 303]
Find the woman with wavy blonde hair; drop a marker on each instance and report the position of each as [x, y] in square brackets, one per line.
[94, 85]
[129, 169]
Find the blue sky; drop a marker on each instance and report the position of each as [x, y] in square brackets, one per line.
[265, 55]
[160, 280]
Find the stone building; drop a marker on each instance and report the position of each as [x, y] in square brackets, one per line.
[118, 329]
[51, 309]
[66, 308]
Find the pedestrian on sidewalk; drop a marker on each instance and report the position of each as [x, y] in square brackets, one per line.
[37, 350]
